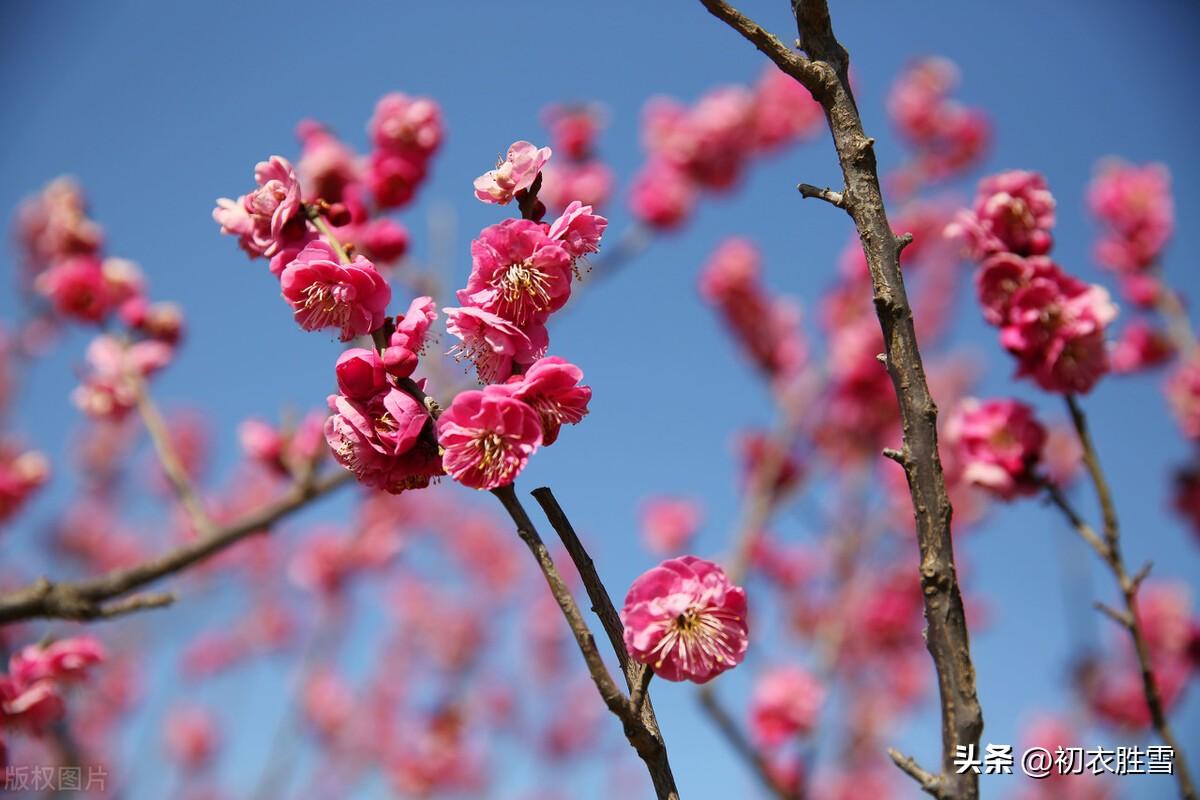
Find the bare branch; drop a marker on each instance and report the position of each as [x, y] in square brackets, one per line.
[807, 191]
[172, 466]
[86, 599]
[931, 783]
[825, 73]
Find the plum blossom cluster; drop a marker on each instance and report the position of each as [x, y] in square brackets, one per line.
[686, 620]
[31, 694]
[1134, 207]
[22, 473]
[1051, 322]
[766, 327]
[707, 146]
[577, 172]
[997, 445]
[946, 137]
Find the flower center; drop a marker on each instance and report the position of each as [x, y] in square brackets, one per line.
[696, 638]
[524, 289]
[492, 454]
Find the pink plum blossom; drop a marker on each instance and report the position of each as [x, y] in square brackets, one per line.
[1000, 444]
[493, 344]
[488, 438]
[669, 523]
[551, 387]
[325, 293]
[1183, 395]
[786, 702]
[519, 272]
[514, 174]
[22, 473]
[360, 373]
[381, 440]
[1013, 213]
[109, 390]
[578, 229]
[1135, 206]
[662, 196]
[266, 219]
[403, 124]
[685, 620]
[590, 182]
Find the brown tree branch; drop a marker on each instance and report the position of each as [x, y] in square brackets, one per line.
[1110, 554]
[646, 740]
[825, 73]
[88, 599]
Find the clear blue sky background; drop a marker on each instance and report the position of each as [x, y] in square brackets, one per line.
[161, 107]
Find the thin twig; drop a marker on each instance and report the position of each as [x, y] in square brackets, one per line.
[172, 465]
[807, 190]
[1128, 585]
[646, 741]
[741, 745]
[86, 599]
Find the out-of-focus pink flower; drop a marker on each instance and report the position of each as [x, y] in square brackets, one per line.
[266, 219]
[662, 196]
[380, 440]
[328, 703]
[1185, 498]
[492, 343]
[784, 110]
[384, 240]
[578, 229]
[66, 659]
[412, 327]
[109, 390]
[999, 444]
[947, 137]
[551, 387]
[53, 225]
[406, 124]
[760, 453]
[709, 141]
[686, 620]
[1013, 213]
[1140, 346]
[767, 329]
[669, 523]
[87, 289]
[393, 177]
[590, 182]
[1062, 455]
[22, 472]
[1183, 395]
[573, 128]
[1135, 206]
[261, 441]
[328, 294]
[786, 702]
[191, 736]
[327, 165]
[31, 706]
[360, 374]
[515, 173]
[488, 438]
[520, 273]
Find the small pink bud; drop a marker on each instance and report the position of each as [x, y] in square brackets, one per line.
[360, 374]
[399, 361]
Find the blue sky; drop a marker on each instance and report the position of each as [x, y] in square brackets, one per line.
[159, 108]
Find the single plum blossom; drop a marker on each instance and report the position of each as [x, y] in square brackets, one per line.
[669, 523]
[999, 443]
[33, 707]
[360, 373]
[327, 165]
[493, 344]
[22, 473]
[520, 273]
[551, 387]
[662, 196]
[383, 440]
[488, 437]
[406, 124]
[326, 293]
[783, 111]
[685, 620]
[53, 225]
[88, 289]
[110, 389]
[573, 128]
[65, 659]
[266, 219]
[1013, 213]
[1135, 206]
[191, 736]
[1140, 346]
[514, 174]
[590, 182]
[394, 178]
[786, 702]
[578, 229]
